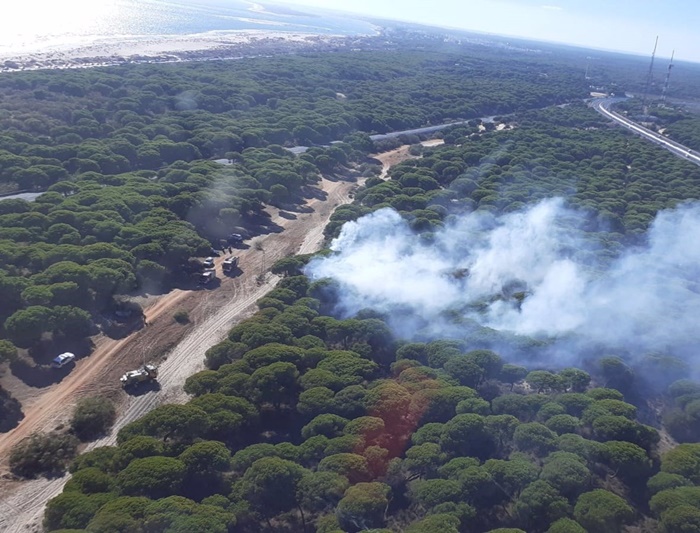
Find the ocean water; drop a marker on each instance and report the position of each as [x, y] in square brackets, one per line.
[30, 26]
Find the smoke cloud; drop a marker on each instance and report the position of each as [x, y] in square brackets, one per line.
[524, 279]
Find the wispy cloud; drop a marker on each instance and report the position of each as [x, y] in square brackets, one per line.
[551, 7]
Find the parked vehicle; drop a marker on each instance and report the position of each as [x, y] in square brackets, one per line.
[208, 262]
[230, 263]
[144, 374]
[235, 238]
[206, 277]
[62, 360]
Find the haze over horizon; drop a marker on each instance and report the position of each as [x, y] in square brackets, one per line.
[622, 26]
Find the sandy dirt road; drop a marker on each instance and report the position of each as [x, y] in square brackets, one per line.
[401, 154]
[393, 157]
[213, 313]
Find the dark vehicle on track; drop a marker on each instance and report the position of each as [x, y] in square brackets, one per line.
[230, 264]
[235, 238]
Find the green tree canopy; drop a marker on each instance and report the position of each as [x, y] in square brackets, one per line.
[601, 510]
[152, 476]
[363, 506]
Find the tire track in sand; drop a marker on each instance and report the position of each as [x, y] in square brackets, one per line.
[21, 508]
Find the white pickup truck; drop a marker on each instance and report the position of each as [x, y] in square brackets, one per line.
[134, 377]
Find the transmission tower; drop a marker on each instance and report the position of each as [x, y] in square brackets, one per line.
[650, 78]
[668, 78]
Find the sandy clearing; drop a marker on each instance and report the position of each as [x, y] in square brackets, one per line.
[433, 142]
[213, 313]
[393, 157]
[401, 154]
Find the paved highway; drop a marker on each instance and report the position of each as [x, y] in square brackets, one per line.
[417, 131]
[602, 104]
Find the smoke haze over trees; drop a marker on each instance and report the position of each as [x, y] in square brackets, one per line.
[414, 381]
[527, 273]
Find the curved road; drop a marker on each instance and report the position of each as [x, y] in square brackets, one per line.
[602, 106]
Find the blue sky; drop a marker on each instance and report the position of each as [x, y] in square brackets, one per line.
[624, 25]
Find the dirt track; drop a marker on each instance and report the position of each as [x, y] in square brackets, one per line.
[400, 154]
[213, 313]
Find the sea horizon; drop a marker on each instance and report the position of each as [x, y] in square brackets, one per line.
[75, 25]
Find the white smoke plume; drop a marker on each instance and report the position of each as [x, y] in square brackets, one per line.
[524, 275]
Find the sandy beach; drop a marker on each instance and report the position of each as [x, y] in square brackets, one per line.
[167, 48]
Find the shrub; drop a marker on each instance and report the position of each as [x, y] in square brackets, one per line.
[181, 317]
[92, 417]
[43, 454]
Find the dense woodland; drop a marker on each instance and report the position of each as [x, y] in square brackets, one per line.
[123, 152]
[686, 131]
[139, 118]
[304, 422]
[570, 152]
